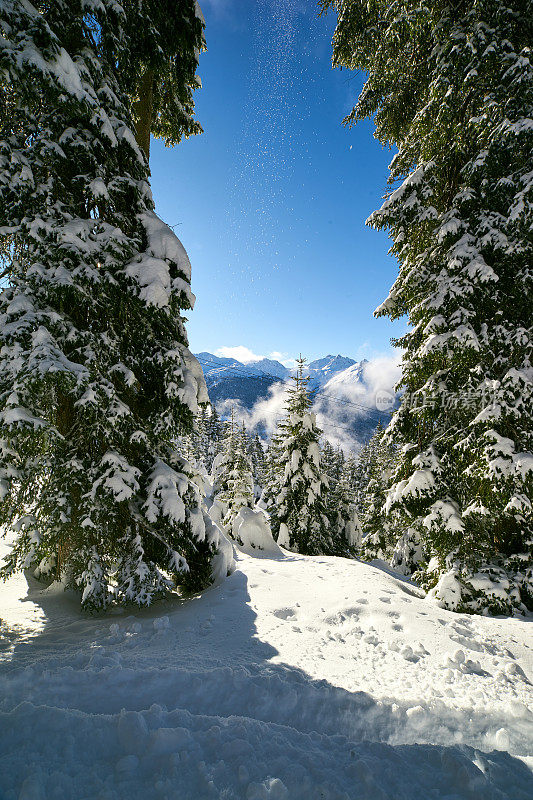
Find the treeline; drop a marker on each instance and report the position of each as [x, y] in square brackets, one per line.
[319, 500]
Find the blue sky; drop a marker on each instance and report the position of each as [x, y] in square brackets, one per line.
[270, 201]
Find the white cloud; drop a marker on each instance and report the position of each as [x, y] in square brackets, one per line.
[240, 353]
[345, 400]
[338, 409]
[247, 356]
[265, 414]
[384, 372]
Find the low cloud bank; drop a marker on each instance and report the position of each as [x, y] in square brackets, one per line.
[348, 408]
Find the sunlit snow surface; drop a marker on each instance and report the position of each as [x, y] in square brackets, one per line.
[296, 678]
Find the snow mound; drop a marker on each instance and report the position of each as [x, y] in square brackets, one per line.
[223, 563]
[251, 531]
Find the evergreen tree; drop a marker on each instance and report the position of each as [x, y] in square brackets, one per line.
[215, 436]
[328, 459]
[340, 506]
[340, 461]
[300, 492]
[96, 378]
[233, 479]
[451, 86]
[226, 457]
[258, 461]
[158, 67]
[273, 473]
[351, 469]
[202, 437]
[342, 513]
[359, 476]
[378, 527]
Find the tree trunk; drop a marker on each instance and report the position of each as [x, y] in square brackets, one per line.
[143, 110]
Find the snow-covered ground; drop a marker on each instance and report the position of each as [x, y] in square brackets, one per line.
[295, 678]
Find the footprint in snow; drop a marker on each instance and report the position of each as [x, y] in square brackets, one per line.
[408, 653]
[469, 643]
[413, 654]
[284, 613]
[461, 630]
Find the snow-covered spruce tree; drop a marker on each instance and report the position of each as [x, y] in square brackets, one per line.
[332, 460]
[240, 492]
[96, 378]
[225, 458]
[301, 490]
[328, 461]
[258, 461]
[359, 466]
[232, 473]
[379, 528]
[197, 441]
[350, 468]
[342, 511]
[215, 434]
[273, 474]
[451, 86]
[340, 507]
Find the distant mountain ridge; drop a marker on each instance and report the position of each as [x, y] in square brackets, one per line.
[229, 379]
[324, 369]
[216, 366]
[320, 371]
[335, 379]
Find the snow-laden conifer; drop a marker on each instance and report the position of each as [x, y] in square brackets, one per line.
[451, 86]
[210, 435]
[342, 512]
[273, 473]
[379, 529]
[258, 461]
[299, 491]
[233, 483]
[96, 378]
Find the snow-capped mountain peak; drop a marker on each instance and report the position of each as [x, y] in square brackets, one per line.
[217, 368]
[271, 367]
[352, 375]
[323, 369]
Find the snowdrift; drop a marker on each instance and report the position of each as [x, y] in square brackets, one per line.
[251, 531]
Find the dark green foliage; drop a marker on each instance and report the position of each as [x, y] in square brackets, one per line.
[451, 87]
[378, 462]
[96, 379]
[164, 37]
